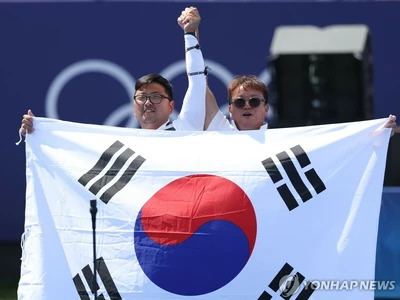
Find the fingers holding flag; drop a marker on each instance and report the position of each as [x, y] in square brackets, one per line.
[27, 123]
[391, 123]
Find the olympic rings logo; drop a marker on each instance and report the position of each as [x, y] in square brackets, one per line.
[122, 76]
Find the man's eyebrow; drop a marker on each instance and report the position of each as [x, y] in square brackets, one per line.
[152, 93]
[251, 96]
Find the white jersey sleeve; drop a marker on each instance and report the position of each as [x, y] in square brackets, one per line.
[193, 112]
[220, 123]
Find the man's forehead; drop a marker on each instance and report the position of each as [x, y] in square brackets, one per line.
[246, 91]
[152, 87]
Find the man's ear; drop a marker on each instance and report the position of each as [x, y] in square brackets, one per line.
[171, 106]
[266, 109]
[230, 112]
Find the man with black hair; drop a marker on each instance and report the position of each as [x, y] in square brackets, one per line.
[153, 101]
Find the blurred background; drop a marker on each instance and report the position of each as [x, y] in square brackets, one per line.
[323, 61]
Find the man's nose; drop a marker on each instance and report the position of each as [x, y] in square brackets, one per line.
[247, 105]
[148, 102]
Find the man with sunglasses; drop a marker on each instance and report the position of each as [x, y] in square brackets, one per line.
[248, 106]
[153, 100]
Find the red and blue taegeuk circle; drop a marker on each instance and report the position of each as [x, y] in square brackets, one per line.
[195, 235]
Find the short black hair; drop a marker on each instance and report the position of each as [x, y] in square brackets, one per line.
[155, 78]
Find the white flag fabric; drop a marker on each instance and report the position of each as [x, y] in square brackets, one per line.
[277, 214]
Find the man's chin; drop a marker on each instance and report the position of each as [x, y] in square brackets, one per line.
[148, 121]
[245, 126]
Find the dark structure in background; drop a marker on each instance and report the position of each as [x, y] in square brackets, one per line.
[320, 75]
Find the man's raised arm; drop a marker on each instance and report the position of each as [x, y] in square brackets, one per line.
[192, 115]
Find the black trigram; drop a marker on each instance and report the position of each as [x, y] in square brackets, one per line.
[121, 157]
[289, 285]
[294, 176]
[105, 277]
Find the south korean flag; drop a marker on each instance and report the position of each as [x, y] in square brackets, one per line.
[238, 215]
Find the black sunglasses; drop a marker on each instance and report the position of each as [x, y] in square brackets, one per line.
[241, 103]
